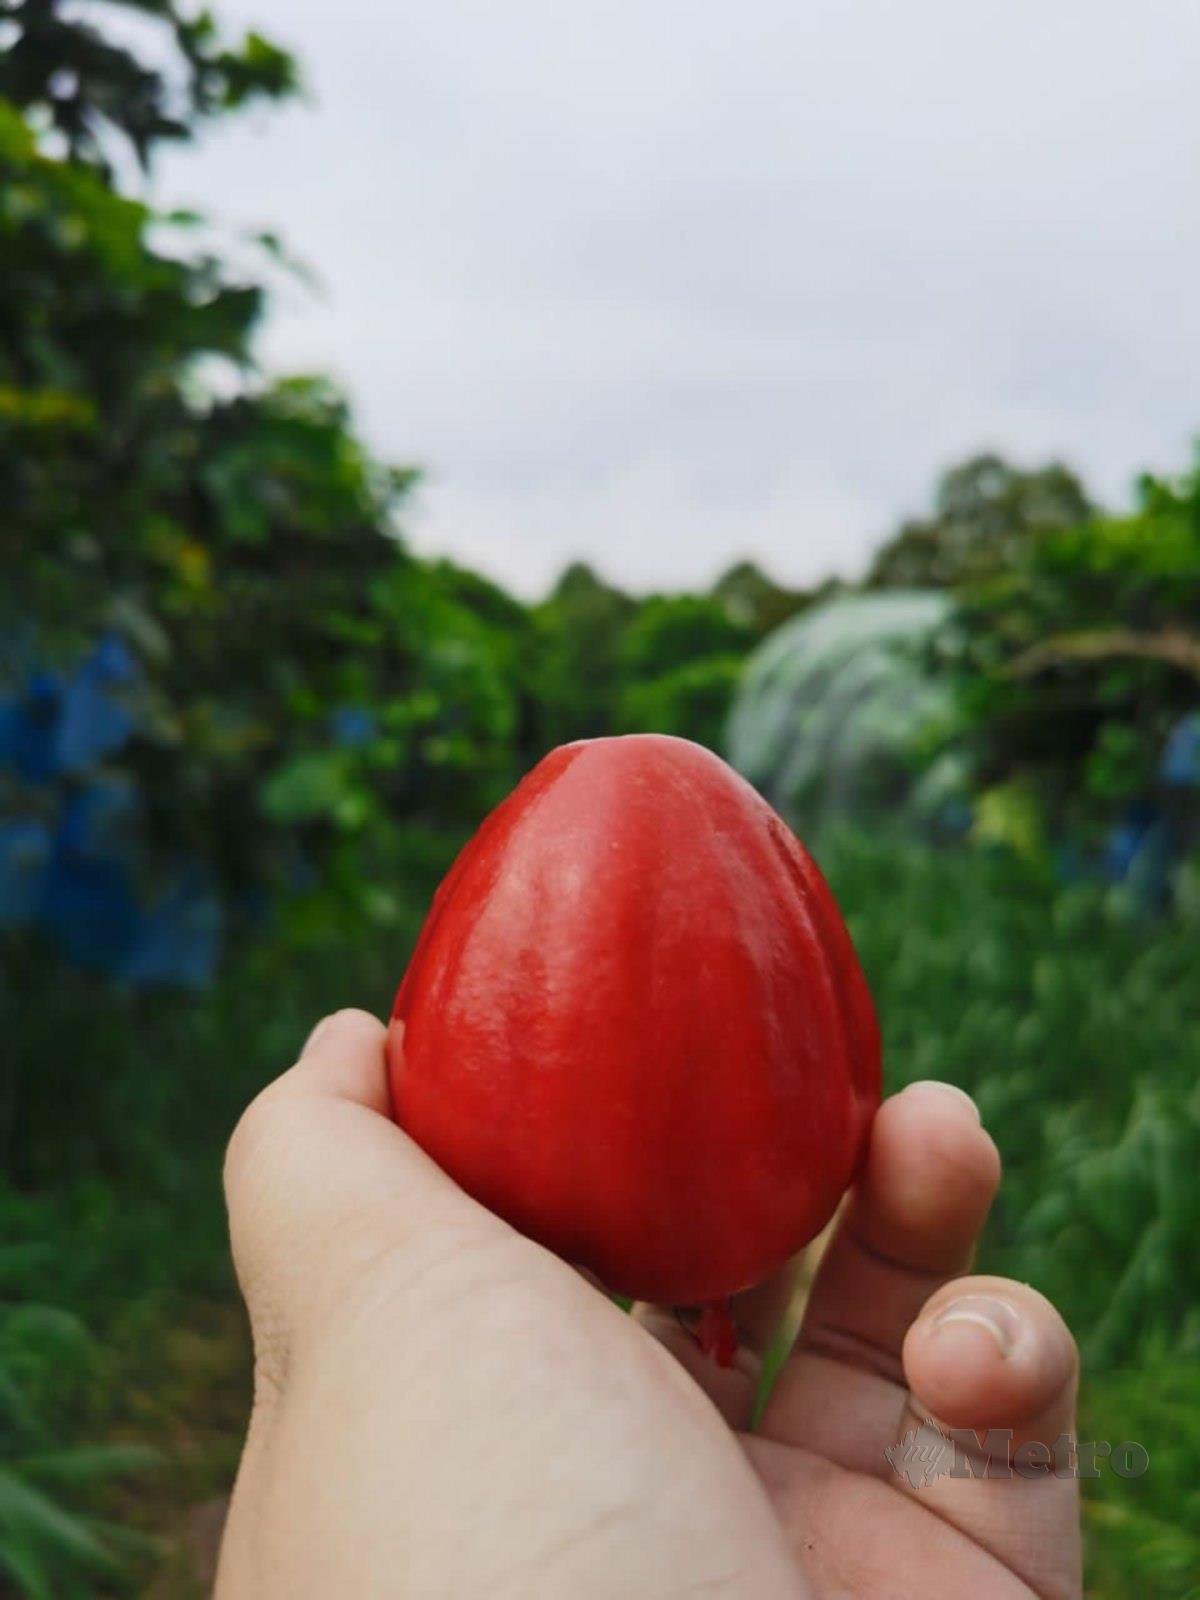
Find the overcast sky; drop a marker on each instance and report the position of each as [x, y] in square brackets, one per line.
[662, 285]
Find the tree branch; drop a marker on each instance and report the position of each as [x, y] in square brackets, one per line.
[1172, 645]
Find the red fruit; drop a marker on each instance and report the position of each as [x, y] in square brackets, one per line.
[635, 1026]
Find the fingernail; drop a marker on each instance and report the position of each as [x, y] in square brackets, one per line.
[983, 1311]
[948, 1089]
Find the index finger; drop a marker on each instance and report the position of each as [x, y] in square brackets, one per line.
[910, 1226]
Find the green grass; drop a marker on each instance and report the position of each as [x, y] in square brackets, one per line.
[1076, 1026]
[1142, 1535]
[1077, 1029]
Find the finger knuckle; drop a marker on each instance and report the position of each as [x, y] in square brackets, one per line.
[260, 1125]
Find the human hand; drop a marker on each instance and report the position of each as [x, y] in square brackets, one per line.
[443, 1408]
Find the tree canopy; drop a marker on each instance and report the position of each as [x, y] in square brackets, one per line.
[986, 515]
[69, 72]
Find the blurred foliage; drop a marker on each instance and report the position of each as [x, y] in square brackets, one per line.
[986, 516]
[1078, 662]
[680, 658]
[580, 627]
[607, 663]
[292, 683]
[755, 601]
[669, 631]
[72, 76]
[691, 701]
[1142, 1536]
[1077, 1030]
[48, 1549]
[288, 674]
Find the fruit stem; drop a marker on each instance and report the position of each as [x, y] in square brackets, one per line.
[716, 1334]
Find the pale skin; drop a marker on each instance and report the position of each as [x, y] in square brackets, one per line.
[443, 1408]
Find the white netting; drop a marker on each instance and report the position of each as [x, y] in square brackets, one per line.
[833, 705]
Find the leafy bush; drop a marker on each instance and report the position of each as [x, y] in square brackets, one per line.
[1142, 1536]
[1077, 1030]
[986, 516]
[1077, 660]
[49, 1551]
[691, 701]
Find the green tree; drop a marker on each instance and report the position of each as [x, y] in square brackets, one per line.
[986, 514]
[240, 539]
[580, 624]
[671, 631]
[1076, 663]
[691, 701]
[680, 657]
[754, 600]
[69, 73]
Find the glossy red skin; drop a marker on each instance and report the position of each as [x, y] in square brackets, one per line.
[635, 1025]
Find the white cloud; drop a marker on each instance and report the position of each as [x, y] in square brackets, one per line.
[662, 284]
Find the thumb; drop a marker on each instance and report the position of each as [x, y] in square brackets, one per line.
[994, 1360]
[320, 1183]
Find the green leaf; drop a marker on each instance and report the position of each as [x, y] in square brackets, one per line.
[81, 1464]
[27, 1514]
